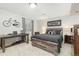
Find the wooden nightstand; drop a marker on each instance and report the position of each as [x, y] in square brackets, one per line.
[68, 39]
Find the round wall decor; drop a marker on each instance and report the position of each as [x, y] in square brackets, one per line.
[6, 23]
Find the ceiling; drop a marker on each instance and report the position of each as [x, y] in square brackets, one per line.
[75, 9]
[43, 9]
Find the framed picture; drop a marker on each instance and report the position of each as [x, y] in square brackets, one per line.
[54, 23]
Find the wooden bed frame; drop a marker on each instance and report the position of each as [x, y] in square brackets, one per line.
[51, 47]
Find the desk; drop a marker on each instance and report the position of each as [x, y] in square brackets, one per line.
[23, 39]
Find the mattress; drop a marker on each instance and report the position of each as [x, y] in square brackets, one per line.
[52, 38]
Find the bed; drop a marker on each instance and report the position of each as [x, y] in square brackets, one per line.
[51, 41]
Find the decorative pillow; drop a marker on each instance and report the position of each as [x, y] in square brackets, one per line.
[53, 32]
[58, 32]
[49, 33]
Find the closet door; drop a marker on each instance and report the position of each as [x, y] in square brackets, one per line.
[76, 40]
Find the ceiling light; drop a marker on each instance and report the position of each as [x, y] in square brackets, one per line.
[33, 5]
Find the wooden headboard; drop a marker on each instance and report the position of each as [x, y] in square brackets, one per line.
[55, 31]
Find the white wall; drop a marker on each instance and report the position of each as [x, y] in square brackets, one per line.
[40, 26]
[67, 23]
[5, 15]
[49, 10]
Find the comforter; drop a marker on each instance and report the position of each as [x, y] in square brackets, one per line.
[52, 38]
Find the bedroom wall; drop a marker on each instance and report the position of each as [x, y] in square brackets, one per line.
[67, 23]
[43, 9]
[5, 15]
[68, 20]
[40, 26]
[49, 12]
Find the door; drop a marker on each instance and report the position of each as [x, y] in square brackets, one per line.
[76, 40]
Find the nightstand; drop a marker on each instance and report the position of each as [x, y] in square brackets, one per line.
[68, 39]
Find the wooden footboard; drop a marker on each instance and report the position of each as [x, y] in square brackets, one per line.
[46, 45]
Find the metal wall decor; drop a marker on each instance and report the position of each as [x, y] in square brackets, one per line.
[16, 23]
[7, 23]
[54, 23]
[10, 22]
